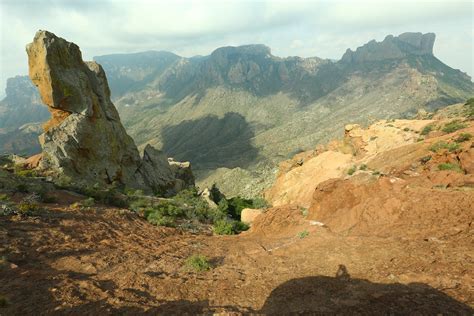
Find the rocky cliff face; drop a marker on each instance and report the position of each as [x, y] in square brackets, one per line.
[85, 140]
[392, 48]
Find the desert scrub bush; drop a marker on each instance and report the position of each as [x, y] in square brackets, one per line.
[304, 211]
[376, 173]
[427, 129]
[303, 234]
[450, 166]
[470, 108]
[23, 172]
[197, 263]
[22, 188]
[89, 202]
[28, 208]
[453, 126]
[463, 137]
[443, 145]
[351, 170]
[229, 227]
[406, 129]
[260, 202]
[363, 167]
[425, 159]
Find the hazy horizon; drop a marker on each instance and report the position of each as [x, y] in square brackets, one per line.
[189, 28]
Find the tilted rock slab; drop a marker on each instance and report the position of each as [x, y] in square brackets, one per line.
[85, 140]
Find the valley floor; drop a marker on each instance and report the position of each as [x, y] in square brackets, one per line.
[110, 261]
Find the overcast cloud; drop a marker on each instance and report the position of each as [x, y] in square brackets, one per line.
[196, 27]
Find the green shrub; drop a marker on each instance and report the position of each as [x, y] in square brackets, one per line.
[28, 208]
[463, 137]
[198, 263]
[443, 145]
[351, 170]
[450, 166]
[4, 197]
[427, 129]
[453, 126]
[22, 172]
[89, 202]
[470, 108]
[363, 167]
[223, 227]
[304, 211]
[376, 173]
[237, 204]
[229, 227]
[406, 129]
[303, 234]
[260, 202]
[425, 159]
[22, 188]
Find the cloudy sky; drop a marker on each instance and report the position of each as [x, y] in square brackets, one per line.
[196, 27]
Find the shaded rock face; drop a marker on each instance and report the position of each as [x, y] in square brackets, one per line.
[392, 48]
[85, 140]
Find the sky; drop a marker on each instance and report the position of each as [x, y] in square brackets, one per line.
[322, 28]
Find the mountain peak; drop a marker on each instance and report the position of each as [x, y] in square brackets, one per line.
[392, 47]
[249, 50]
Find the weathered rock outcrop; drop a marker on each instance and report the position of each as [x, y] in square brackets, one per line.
[392, 48]
[85, 140]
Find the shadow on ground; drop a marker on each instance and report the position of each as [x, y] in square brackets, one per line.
[32, 287]
[211, 142]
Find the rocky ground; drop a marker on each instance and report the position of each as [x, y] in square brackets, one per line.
[106, 260]
[387, 231]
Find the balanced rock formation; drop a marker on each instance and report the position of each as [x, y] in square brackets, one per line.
[84, 139]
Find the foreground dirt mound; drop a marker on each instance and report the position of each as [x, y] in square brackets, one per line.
[110, 261]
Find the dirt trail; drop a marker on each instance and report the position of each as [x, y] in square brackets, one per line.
[111, 261]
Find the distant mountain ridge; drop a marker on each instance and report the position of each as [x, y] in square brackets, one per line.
[240, 110]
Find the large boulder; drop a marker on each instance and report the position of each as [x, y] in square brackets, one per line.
[85, 139]
[248, 215]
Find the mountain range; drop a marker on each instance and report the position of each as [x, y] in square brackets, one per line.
[236, 113]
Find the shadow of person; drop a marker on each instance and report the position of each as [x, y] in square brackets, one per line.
[345, 295]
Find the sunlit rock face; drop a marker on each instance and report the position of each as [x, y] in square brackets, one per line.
[84, 139]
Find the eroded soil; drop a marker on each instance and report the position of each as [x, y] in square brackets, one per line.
[111, 261]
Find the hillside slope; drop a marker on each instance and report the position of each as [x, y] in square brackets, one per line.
[394, 237]
[242, 107]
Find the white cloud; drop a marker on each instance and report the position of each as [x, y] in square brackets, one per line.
[190, 27]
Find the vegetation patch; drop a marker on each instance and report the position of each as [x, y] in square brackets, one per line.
[470, 108]
[425, 159]
[352, 170]
[443, 145]
[363, 167]
[453, 126]
[187, 210]
[427, 129]
[28, 208]
[304, 211]
[303, 234]
[229, 227]
[198, 263]
[450, 166]
[463, 137]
